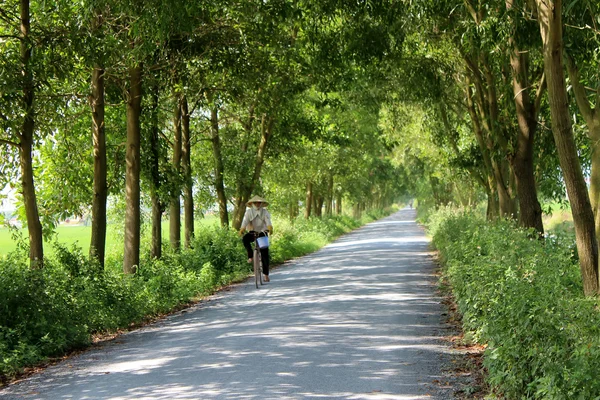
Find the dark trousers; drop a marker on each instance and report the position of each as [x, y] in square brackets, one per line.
[248, 239]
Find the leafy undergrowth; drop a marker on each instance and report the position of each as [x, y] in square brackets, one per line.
[467, 364]
[64, 306]
[521, 298]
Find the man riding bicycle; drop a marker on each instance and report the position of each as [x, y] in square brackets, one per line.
[257, 221]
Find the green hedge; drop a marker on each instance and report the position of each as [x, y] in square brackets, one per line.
[47, 312]
[522, 297]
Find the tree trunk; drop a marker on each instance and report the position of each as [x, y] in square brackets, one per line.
[239, 207]
[155, 183]
[318, 206]
[98, 240]
[240, 203]
[530, 211]
[356, 211]
[329, 198]
[505, 201]
[487, 161]
[492, 211]
[99, 219]
[156, 246]
[219, 169]
[293, 211]
[594, 190]
[309, 200]
[489, 130]
[591, 115]
[175, 204]
[186, 166]
[131, 254]
[338, 204]
[34, 227]
[550, 19]
[246, 190]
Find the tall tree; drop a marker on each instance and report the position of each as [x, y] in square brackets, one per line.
[215, 140]
[527, 109]
[186, 169]
[98, 237]
[27, 72]
[158, 206]
[581, 36]
[551, 29]
[131, 254]
[26, 139]
[175, 204]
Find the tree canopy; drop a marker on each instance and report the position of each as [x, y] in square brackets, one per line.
[192, 108]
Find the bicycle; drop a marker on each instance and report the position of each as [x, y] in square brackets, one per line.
[257, 257]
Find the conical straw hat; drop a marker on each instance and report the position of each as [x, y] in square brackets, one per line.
[256, 199]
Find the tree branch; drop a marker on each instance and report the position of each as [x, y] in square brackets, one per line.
[580, 96]
[6, 17]
[11, 37]
[472, 11]
[196, 104]
[538, 96]
[8, 142]
[166, 139]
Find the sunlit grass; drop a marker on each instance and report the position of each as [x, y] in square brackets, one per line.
[560, 219]
[80, 235]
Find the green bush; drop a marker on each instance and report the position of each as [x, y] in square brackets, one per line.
[523, 297]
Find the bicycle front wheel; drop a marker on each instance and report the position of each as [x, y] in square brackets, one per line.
[256, 261]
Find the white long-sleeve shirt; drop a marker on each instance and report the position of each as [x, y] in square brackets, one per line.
[256, 220]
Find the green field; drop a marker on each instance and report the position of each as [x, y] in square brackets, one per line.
[80, 235]
[560, 219]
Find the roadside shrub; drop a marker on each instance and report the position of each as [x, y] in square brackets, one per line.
[522, 297]
[39, 315]
[222, 248]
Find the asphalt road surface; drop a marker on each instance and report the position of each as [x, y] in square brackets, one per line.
[359, 319]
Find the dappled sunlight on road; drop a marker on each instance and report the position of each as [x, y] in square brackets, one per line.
[357, 320]
[361, 242]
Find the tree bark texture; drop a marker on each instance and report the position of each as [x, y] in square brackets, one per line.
[155, 183]
[550, 20]
[219, 169]
[530, 215]
[318, 211]
[186, 168]
[591, 115]
[98, 239]
[175, 204]
[329, 199]
[308, 201]
[131, 254]
[34, 226]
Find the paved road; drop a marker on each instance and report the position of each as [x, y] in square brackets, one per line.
[359, 319]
